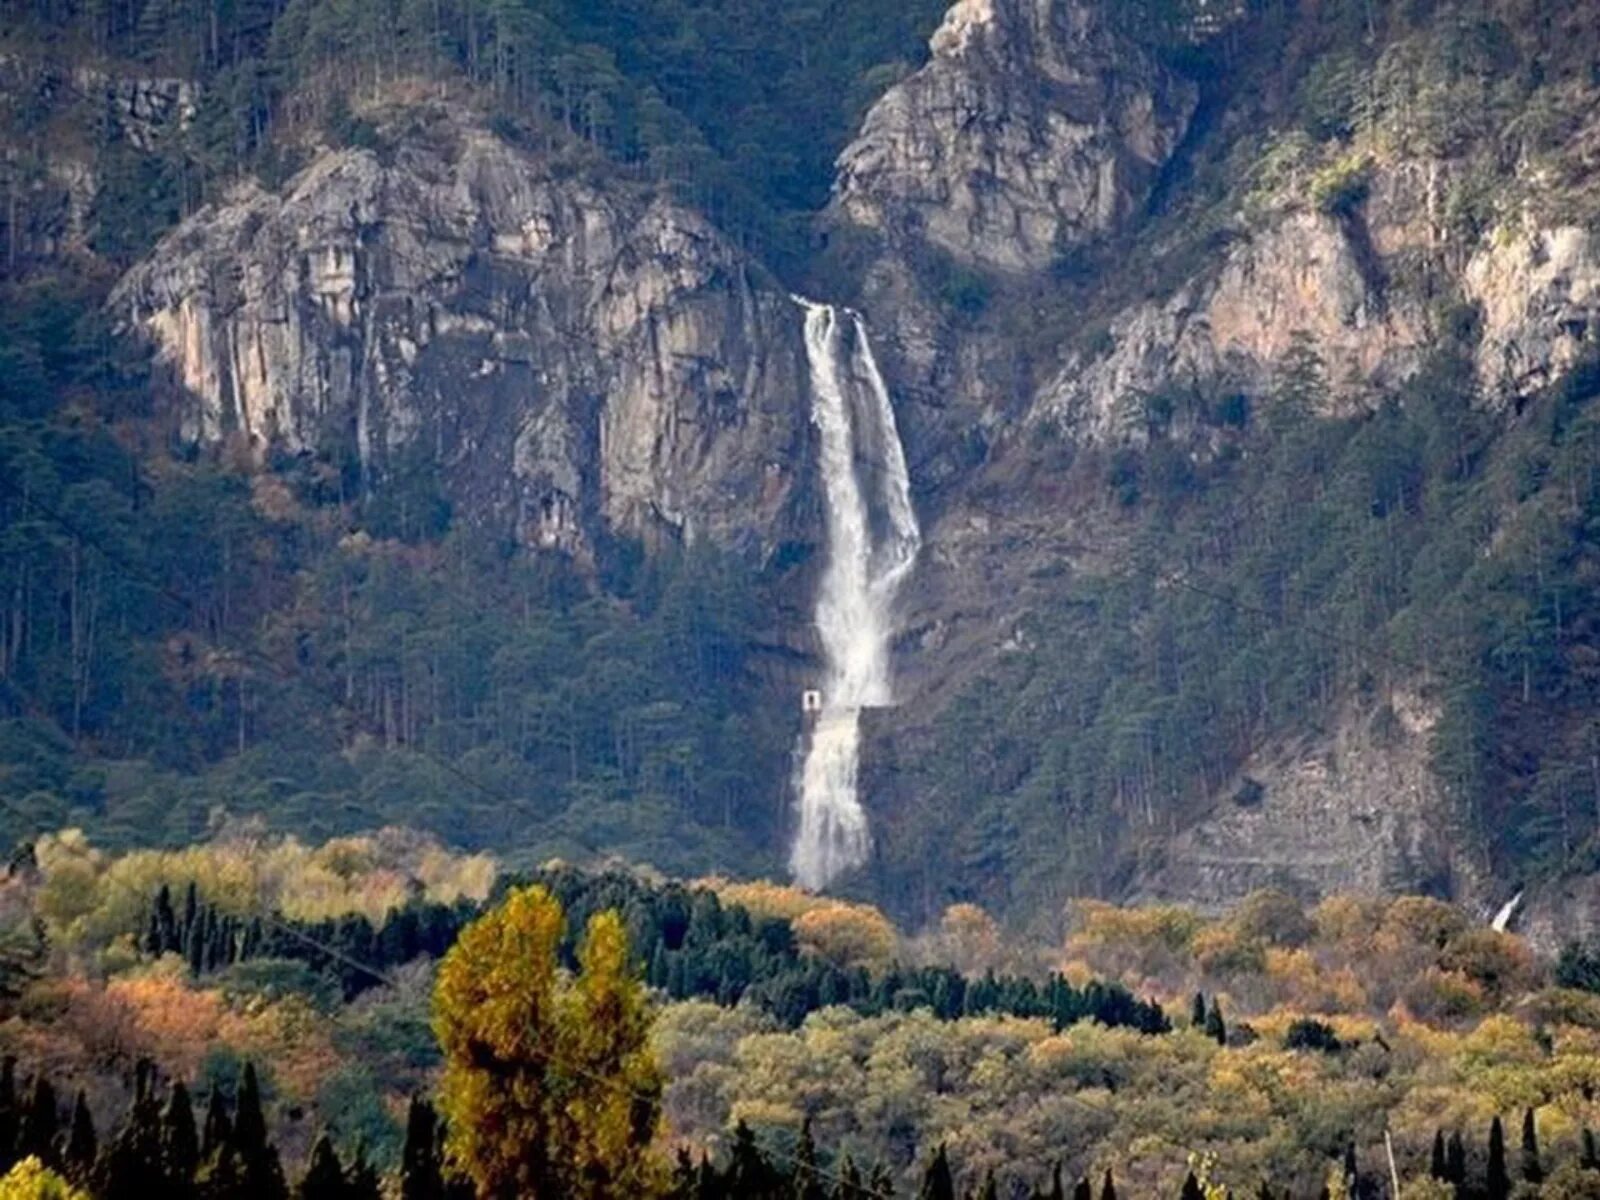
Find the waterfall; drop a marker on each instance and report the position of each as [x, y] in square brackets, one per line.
[872, 541]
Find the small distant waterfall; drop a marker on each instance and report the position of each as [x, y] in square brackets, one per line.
[872, 542]
[1502, 919]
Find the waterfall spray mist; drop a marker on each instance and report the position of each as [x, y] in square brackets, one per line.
[872, 541]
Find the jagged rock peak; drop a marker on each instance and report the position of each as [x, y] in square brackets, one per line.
[576, 353]
[1034, 127]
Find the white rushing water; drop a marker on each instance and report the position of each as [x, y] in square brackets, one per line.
[872, 542]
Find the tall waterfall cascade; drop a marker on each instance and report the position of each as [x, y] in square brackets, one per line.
[872, 542]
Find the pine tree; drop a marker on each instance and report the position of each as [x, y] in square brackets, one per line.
[1591, 1153]
[1191, 1189]
[1532, 1172]
[1498, 1181]
[82, 1145]
[1437, 1168]
[1108, 1189]
[937, 1182]
[1352, 1173]
[1084, 1190]
[1197, 1011]
[324, 1177]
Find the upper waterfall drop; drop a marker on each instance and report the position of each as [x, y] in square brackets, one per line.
[873, 541]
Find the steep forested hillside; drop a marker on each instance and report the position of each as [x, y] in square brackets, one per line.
[1254, 469]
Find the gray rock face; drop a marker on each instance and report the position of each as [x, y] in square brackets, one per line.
[1356, 810]
[574, 356]
[1230, 329]
[1032, 128]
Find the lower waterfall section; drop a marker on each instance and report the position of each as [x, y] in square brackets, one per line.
[872, 542]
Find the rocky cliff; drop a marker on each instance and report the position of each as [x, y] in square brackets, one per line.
[1033, 128]
[573, 355]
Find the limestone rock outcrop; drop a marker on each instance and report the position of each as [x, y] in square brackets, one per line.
[571, 354]
[1033, 128]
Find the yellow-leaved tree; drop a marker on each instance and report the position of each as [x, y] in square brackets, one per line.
[549, 1087]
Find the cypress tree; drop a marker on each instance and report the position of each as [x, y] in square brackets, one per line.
[849, 1186]
[1437, 1168]
[1455, 1159]
[1191, 1188]
[249, 1122]
[36, 1134]
[9, 1114]
[807, 1184]
[420, 1177]
[1216, 1027]
[1108, 1189]
[324, 1177]
[263, 1173]
[166, 922]
[937, 1182]
[131, 1167]
[218, 1129]
[1197, 1011]
[1532, 1172]
[1498, 1181]
[361, 1181]
[194, 949]
[82, 1145]
[180, 1145]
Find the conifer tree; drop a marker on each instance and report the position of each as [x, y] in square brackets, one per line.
[82, 1145]
[324, 1177]
[420, 1177]
[361, 1180]
[937, 1182]
[36, 1135]
[1216, 1028]
[1455, 1159]
[990, 1190]
[1084, 1190]
[1437, 1167]
[807, 1181]
[1191, 1188]
[849, 1186]
[1591, 1153]
[1497, 1181]
[1532, 1172]
[218, 1129]
[1197, 1011]
[180, 1145]
[10, 1117]
[1352, 1172]
[1108, 1188]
